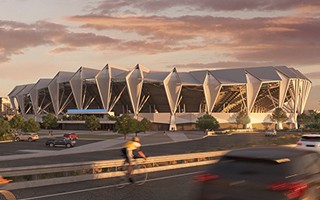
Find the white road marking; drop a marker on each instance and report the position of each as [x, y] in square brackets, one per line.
[107, 186]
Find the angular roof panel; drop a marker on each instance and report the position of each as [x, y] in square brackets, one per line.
[42, 83]
[87, 73]
[286, 71]
[26, 89]
[118, 71]
[155, 76]
[230, 76]
[199, 75]
[264, 73]
[16, 90]
[187, 79]
[63, 77]
[299, 74]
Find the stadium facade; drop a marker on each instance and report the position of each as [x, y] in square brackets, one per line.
[171, 100]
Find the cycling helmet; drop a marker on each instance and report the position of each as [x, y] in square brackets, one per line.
[136, 139]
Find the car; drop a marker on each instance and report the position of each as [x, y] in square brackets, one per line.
[71, 136]
[27, 137]
[61, 142]
[263, 173]
[270, 133]
[309, 142]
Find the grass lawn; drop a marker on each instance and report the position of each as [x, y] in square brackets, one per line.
[99, 137]
[86, 136]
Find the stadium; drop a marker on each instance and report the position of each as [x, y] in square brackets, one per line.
[170, 100]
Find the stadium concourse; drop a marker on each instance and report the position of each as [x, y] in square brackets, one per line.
[170, 100]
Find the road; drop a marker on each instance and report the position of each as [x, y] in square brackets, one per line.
[201, 145]
[173, 185]
[24, 147]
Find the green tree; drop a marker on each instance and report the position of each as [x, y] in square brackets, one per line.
[303, 120]
[92, 122]
[4, 129]
[17, 122]
[126, 124]
[31, 125]
[207, 122]
[243, 118]
[135, 126]
[279, 116]
[50, 121]
[145, 125]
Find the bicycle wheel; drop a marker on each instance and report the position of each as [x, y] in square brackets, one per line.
[140, 174]
[7, 195]
[122, 180]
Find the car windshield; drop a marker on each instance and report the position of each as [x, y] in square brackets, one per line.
[310, 138]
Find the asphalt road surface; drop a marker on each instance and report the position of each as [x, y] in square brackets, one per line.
[166, 185]
[23, 147]
[202, 145]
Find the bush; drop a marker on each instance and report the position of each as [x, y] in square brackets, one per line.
[31, 126]
[50, 121]
[17, 122]
[92, 122]
[126, 124]
[4, 129]
[207, 122]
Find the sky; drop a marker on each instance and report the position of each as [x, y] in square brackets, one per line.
[38, 38]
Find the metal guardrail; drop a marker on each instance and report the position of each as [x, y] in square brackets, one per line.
[43, 175]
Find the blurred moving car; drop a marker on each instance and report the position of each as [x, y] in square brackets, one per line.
[309, 142]
[27, 137]
[264, 173]
[61, 142]
[270, 133]
[71, 136]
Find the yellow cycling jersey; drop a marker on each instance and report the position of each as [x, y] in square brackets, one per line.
[131, 145]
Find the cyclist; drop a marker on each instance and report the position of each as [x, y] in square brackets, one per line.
[4, 181]
[127, 152]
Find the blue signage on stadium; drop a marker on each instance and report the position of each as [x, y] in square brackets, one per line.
[87, 111]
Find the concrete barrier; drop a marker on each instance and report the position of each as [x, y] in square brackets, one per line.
[43, 175]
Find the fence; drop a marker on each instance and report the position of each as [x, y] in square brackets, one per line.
[43, 175]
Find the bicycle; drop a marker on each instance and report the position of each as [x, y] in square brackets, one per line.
[139, 174]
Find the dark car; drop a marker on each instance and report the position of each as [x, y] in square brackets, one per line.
[71, 136]
[264, 173]
[60, 142]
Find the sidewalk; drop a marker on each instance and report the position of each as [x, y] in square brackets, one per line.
[147, 139]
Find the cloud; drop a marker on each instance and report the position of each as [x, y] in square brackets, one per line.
[17, 37]
[313, 99]
[281, 40]
[151, 6]
[62, 50]
[218, 65]
[277, 40]
[313, 75]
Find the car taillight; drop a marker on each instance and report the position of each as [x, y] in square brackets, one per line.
[299, 143]
[291, 189]
[205, 177]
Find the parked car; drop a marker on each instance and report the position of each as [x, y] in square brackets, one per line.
[27, 137]
[61, 142]
[309, 142]
[270, 133]
[71, 136]
[263, 173]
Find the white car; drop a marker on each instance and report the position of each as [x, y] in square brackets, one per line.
[309, 142]
[270, 133]
[27, 137]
